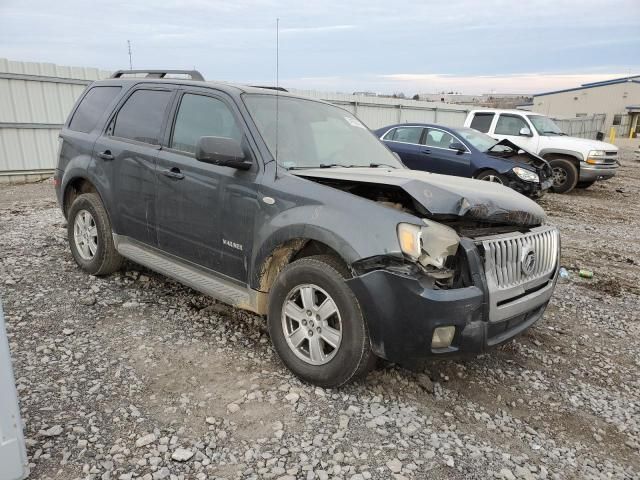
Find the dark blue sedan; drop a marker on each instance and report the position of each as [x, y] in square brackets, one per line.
[465, 152]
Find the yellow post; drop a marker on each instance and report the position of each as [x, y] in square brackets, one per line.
[634, 125]
[612, 135]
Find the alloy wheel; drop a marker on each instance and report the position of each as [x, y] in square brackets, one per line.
[492, 178]
[312, 324]
[85, 235]
[559, 176]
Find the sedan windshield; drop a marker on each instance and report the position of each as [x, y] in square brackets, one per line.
[545, 126]
[313, 134]
[480, 141]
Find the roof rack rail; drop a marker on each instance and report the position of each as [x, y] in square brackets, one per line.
[195, 75]
[280, 89]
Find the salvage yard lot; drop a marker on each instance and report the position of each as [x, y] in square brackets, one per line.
[136, 376]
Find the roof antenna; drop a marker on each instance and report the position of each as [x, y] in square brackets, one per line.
[277, 87]
[130, 61]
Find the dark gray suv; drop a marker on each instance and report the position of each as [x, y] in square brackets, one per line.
[291, 208]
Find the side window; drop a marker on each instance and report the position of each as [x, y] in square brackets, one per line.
[482, 122]
[92, 107]
[142, 115]
[201, 116]
[510, 125]
[438, 138]
[407, 134]
[390, 134]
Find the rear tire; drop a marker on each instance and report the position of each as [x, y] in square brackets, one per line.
[565, 175]
[90, 237]
[307, 289]
[585, 184]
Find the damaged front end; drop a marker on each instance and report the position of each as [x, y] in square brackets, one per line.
[527, 163]
[463, 281]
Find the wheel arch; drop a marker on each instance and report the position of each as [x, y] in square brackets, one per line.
[275, 255]
[573, 157]
[75, 187]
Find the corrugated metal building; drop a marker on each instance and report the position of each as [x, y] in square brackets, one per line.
[618, 99]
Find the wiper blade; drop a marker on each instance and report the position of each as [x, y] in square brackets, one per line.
[376, 165]
[333, 165]
[322, 165]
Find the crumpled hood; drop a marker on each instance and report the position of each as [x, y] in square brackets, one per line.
[444, 194]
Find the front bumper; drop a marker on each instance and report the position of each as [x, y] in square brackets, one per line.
[590, 173]
[530, 189]
[402, 312]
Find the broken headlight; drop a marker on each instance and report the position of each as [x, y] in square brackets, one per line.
[429, 244]
[526, 175]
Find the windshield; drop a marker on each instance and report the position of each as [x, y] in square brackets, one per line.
[545, 126]
[481, 141]
[313, 134]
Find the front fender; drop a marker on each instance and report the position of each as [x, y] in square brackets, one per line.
[353, 236]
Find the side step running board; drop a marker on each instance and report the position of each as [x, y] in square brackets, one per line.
[195, 277]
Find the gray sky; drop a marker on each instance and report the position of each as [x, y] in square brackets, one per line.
[471, 46]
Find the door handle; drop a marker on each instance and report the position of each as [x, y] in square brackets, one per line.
[173, 173]
[106, 155]
[425, 150]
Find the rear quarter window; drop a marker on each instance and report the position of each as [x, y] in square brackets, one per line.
[482, 122]
[92, 107]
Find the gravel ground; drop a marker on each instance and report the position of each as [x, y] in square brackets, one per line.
[135, 376]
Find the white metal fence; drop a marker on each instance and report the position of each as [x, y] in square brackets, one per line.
[35, 99]
[584, 127]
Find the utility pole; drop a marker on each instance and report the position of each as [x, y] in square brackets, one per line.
[130, 61]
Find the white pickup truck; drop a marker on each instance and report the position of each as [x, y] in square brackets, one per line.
[576, 162]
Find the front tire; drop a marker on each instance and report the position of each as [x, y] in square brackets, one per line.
[90, 238]
[492, 176]
[316, 324]
[565, 175]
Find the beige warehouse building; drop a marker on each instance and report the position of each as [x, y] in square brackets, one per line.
[618, 99]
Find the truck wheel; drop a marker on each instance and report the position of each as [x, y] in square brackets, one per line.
[316, 324]
[565, 175]
[90, 237]
[585, 184]
[492, 176]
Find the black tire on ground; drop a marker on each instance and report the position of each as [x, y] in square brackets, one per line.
[585, 184]
[565, 175]
[492, 176]
[353, 358]
[105, 259]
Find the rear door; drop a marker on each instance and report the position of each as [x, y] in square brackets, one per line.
[443, 159]
[482, 121]
[205, 212]
[405, 141]
[128, 150]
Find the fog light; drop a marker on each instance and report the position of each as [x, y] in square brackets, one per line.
[442, 337]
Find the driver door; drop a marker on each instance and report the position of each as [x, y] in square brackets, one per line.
[205, 212]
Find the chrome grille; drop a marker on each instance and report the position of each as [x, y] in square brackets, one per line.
[505, 256]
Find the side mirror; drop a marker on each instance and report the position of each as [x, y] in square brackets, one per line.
[525, 132]
[222, 151]
[458, 147]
